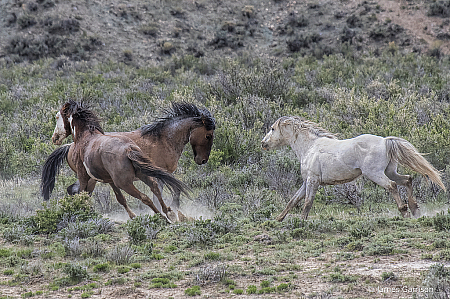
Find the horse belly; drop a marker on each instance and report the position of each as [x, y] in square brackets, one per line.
[338, 173]
[95, 167]
[94, 174]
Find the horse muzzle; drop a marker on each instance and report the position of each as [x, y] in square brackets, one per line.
[200, 161]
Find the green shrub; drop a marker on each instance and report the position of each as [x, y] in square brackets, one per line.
[193, 291]
[339, 277]
[361, 230]
[143, 228]
[252, 289]
[283, 287]
[161, 282]
[4, 252]
[212, 256]
[441, 221]
[27, 295]
[116, 281]
[267, 290]
[78, 206]
[76, 273]
[24, 253]
[123, 269]
[379, 249]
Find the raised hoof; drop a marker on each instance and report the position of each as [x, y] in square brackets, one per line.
[416, 213]
[172, 216]
[183, 218]
[280, 218]
[406, 214]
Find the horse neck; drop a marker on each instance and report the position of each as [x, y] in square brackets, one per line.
[177, 134]
[80, 132]
[302, 142]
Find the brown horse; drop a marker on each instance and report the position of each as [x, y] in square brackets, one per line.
[113, 159]
[163, 141]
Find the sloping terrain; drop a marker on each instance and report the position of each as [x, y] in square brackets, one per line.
[148, 31]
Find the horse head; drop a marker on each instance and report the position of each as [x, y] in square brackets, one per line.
[73, 114]
[275, 137]
[63, 127]
[201, 140]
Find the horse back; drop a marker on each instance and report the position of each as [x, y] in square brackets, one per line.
[153, 146]
[339, 161]
[106, 156]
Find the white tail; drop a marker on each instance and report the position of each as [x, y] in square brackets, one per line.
[406, 154]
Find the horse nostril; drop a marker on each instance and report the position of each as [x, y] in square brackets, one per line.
[204, 161]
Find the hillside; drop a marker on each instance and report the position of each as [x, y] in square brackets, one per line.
[139, 32]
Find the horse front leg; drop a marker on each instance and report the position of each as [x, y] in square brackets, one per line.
[311, 189]
[83, 178]
[174, 205]
[299, 195]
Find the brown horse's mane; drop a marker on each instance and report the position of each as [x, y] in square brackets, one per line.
[80, 111]
[179, 111]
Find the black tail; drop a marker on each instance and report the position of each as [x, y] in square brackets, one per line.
[51, 169]
[143, 164]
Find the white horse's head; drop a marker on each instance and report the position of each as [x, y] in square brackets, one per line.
[63, 129]
[276, 137]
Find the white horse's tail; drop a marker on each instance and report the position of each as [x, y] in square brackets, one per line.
[406, 154]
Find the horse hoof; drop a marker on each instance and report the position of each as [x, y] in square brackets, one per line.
[181, 217]
[184, 218]
[172, 216]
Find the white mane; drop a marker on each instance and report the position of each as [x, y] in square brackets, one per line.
[299, 124]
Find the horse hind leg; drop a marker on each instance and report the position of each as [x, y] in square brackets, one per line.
[121, 199]
[153, 184]
[391, 186]
[404, 180]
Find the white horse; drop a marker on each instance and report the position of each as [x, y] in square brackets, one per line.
[325, 160]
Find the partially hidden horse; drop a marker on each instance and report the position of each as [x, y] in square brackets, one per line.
[325, 160]
[163, 141]
[112, 159]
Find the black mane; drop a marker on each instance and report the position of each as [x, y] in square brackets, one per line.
[79, 111]
[179, 111]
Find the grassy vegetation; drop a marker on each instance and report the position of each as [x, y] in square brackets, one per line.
[77, 251]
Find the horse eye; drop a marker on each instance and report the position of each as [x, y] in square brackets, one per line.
[272, 129]
[208, 137]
